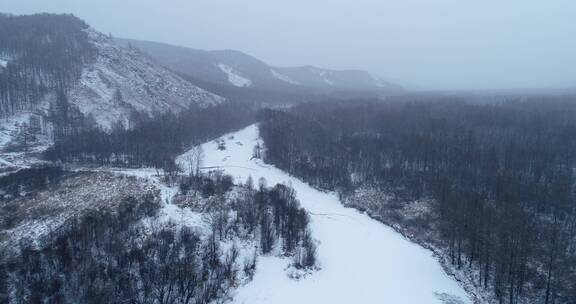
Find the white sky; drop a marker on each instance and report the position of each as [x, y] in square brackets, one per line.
[435, 44]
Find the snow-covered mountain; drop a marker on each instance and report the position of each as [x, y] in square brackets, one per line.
[217, 70]
[227, 67]
[57, 63]
[56, 72]
[123, 79]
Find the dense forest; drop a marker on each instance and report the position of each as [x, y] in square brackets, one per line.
[123, 255]
[150, 141]
[501, 176]
[44, 54]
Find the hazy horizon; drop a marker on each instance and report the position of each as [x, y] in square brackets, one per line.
[433, 45]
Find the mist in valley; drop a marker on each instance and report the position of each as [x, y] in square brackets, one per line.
[272, 152]
[420, 44]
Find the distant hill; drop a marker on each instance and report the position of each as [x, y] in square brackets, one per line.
[236, 75]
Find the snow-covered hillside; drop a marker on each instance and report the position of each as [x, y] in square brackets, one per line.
[362, 261]
[118, 82]
[144, 85]
[233, 77]
[333, 79]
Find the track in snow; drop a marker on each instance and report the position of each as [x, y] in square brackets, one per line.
[362, 260]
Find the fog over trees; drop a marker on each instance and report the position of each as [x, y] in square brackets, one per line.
[453, 123]
[427, 44]
[501, 177]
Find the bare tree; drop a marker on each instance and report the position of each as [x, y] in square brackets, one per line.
[195, 159]
[257, 151]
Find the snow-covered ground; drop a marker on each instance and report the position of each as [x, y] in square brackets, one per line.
[362, 260]
[9, 128]
[233, 77]
[168, 213]
[10, 125]
[37, 217]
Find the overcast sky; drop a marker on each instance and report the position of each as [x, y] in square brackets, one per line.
[434, 44]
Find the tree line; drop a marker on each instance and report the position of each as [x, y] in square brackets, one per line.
[149, 142]
[501, 176]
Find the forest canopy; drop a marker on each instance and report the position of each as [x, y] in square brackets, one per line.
[502, 176]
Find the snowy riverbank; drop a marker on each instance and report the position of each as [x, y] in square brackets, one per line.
[362, 260]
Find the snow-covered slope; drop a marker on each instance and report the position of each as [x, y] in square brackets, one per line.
[225, 67]
[108, 87]
[333, 79]
[233, 77]
[144, 85]
[362, 260]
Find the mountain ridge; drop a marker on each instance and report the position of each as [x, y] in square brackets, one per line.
[225, 67]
